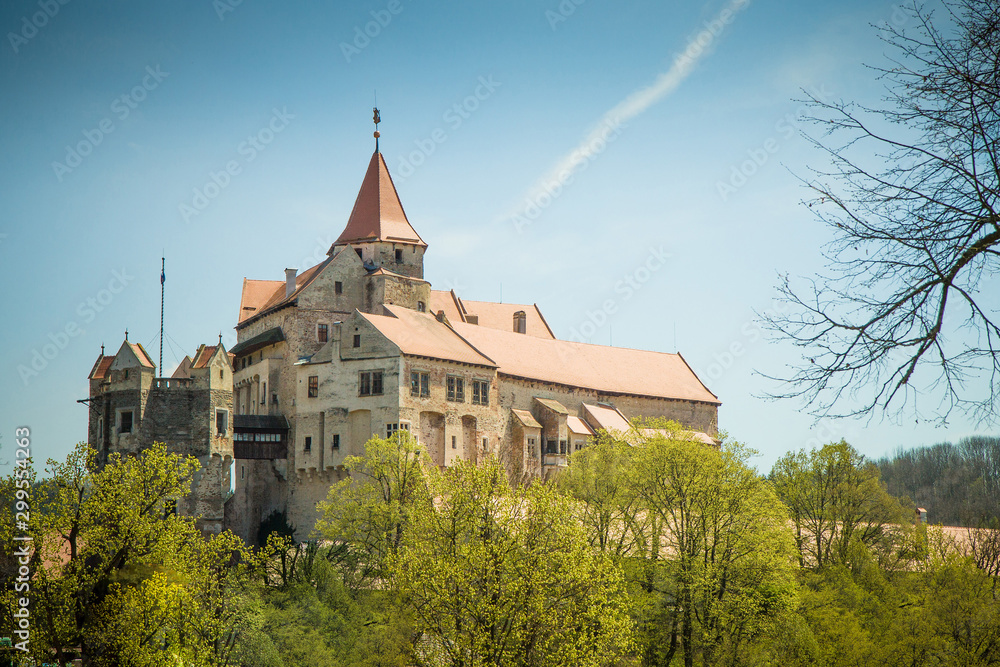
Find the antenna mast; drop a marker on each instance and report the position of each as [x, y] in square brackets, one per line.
[163, 279]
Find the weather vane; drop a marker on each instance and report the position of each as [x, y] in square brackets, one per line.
[376, 118]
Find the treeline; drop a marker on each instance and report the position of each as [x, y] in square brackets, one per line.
[649, 549]
[958, 485]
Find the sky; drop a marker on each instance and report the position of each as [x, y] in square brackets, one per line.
[630, 167]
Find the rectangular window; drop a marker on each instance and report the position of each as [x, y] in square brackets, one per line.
[486, 444]
[221, 422]
[322, 333]
[550, 447]
[454, 442]
[420, 384]
[562, 446]
[421, 307]
[456, 389]
[358, 250]
[338, 287]
[357, 340]
[481, 392]
[309, 444]
[399, 256]
[263, 393]
[242, 471]
[370, 383]
[274, 399]
[125, 421]
[390, 429]
[313, 386]
[336, 442]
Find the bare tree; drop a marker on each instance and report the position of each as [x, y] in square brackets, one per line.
[911, 195]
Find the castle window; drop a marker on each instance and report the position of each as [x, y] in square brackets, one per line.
[390, 429]
[454, 442]
[220, 374]
[531, 448]
[125, 421]
[243, 364]
[322, 332]
[126, 373]
[421, 307]
[357, 340]
[370, 383]
[336, 442]
[274, 399]
[420, 384]
[562, 446]
[481, 392]
[313, 386]
[338, 287]
[486, 444]
[456, 389]
[309, 444]
[263, 393]
[550, 447]
[399, 256]
[358, 250]
[243, 470]
[221, 422]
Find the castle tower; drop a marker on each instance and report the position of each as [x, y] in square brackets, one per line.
[378, 229]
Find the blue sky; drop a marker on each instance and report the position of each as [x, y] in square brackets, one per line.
[479, 101]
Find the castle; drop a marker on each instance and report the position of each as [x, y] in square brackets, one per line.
[360, 345]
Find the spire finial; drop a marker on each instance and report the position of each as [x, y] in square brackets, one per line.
[376, 118]
[102, 349]
[126, 335]
[220, 338]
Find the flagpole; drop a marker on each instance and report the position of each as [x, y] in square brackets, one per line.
[163, 279]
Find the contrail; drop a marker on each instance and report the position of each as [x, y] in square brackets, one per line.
[607, 129]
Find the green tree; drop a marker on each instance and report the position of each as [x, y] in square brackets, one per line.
[501, 575]
[724, 551]
[837, 503]
[366, 515]
[119, 578]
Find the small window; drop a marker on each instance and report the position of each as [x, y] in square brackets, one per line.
[420, 384]
[421, 307]
[338, 287]
[370, 383]
[390, 429]
[481, 392]
[336, 442]
[126, 373]
[220, 374]
[456, 388]
[399, 256]
[486, 444]
[125, 423]
[550, 447]
[274, 399]
[562, 446]
[221, 422]
[357, 340]
[243, 364]
[263, 393]
[313, 386]
[309, 444]
[322, 333]
[243, 470]
[454, 442]
[358, 250]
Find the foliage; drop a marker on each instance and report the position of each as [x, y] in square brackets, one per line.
[911, 198]
[119, 578]
[501, 575]
[838, 505]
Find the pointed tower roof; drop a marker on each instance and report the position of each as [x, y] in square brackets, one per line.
[378, 214]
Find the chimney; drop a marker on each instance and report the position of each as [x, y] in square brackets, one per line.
[290, 281]
[520, 322]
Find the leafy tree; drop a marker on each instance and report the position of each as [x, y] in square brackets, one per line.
[121, 579]
[723, 547]
[911, 198]
[367, 514]
[501, 575]
[837, 502]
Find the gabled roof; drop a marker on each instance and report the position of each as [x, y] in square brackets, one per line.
[203, 356]
[605, 417]
[183, 369]
[419, 334]
[613, 370]
[378, 214]
[101, 366]
[489, 314]
[578, 426]
[255, 294]
[141, 355]
[526, 418]
[553, 405]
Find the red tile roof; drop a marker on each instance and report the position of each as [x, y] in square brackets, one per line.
[100, 369]
[378, 214]
[256, 293]
[490, 314]
[203, 355]
[421, 335]
[614, 370]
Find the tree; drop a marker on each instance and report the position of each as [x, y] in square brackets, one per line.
[836, 502]
[725, 550]
[366, 515]
[911, 198]
[503, 576]
[119, 578]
